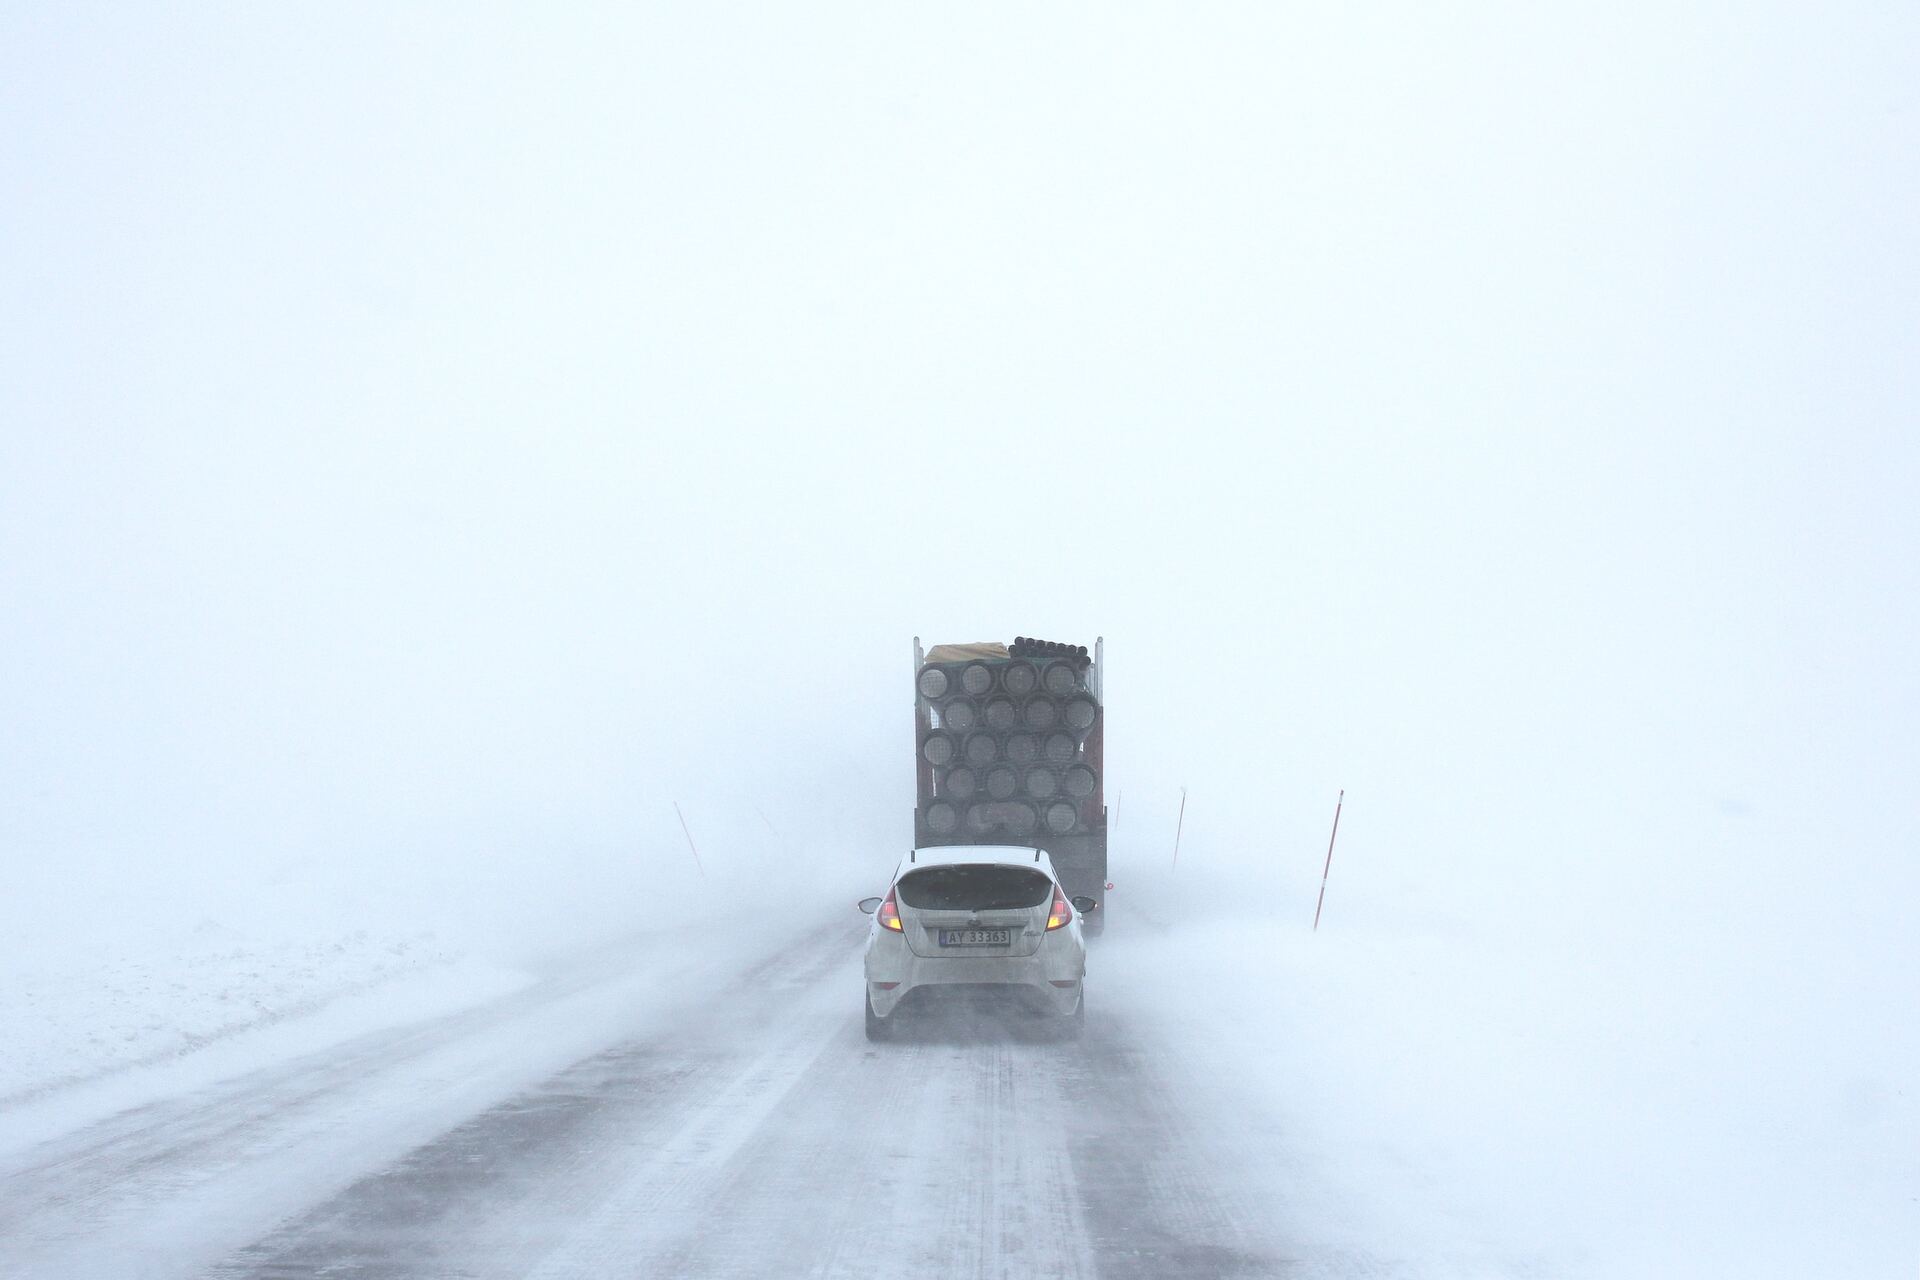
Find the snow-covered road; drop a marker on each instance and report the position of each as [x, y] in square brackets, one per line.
[1348, 1109]
[632, 1118]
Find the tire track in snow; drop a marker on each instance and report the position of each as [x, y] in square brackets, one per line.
[764, 1137]
[513, 1190]
[751, 1132]
[1158, 1202]
[169, 1188]
[939, 1155]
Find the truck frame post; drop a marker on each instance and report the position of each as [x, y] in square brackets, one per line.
[1329, 867]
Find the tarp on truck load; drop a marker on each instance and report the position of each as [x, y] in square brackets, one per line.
[966, 652]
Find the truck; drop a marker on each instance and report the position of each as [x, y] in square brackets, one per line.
[1010, 749]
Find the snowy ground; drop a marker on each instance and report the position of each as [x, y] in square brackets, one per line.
[1442, 1097]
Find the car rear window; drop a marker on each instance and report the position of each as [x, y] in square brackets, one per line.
[974, 888]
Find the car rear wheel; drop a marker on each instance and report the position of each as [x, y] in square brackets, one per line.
[1074, 1025]
[878, 1028]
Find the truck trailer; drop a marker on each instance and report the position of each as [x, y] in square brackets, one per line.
[1009, 748]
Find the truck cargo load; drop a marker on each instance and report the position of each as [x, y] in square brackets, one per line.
[1010, 749]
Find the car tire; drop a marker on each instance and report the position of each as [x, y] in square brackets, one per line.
[879, 1029]
[1074, 1025]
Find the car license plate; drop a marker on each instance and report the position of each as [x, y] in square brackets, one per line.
[975, 937]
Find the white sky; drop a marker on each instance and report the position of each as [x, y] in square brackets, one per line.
[463, 426]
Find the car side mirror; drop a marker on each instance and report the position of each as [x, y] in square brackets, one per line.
[1083, 904]
[868, 906]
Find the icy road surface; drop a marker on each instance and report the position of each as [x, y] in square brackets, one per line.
[632, 1118]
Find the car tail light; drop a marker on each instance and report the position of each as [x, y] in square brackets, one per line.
[889, 915]
[1057, 918]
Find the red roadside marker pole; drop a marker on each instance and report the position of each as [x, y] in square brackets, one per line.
[1329, 867]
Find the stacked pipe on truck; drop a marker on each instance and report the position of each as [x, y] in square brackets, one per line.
[1011, 748]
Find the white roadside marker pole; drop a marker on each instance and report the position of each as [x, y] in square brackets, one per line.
[1329, 867]
[696, 852]
[1178, 825]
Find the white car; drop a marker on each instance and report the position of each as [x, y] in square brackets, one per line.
[964, 920]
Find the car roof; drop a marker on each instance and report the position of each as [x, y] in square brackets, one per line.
[949, 854]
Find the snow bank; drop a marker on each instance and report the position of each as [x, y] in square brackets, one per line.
[127, 985]
[117, 965]
[146, 1001]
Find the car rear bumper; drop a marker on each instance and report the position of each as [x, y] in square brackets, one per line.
[985, 1001]
[1048, 981]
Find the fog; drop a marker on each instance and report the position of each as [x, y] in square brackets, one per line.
[434, 444]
